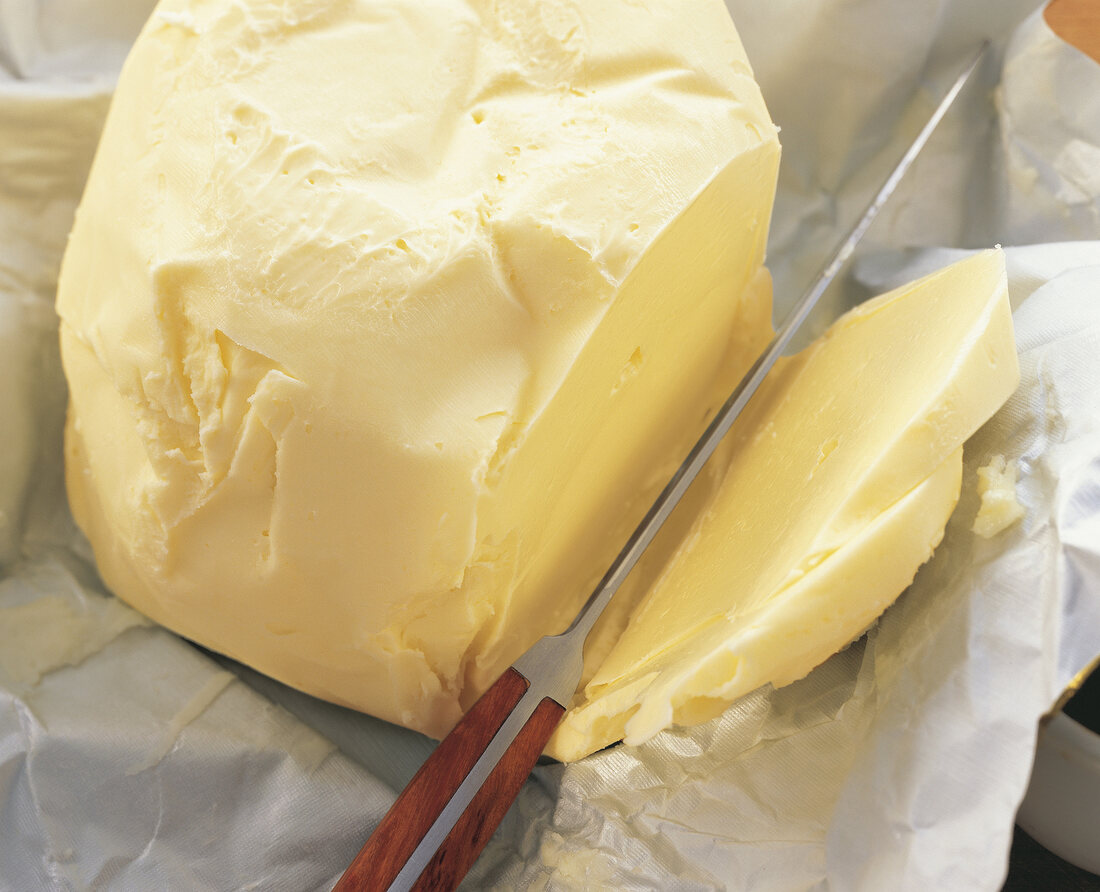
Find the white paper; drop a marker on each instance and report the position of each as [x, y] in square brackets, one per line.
[131, 760]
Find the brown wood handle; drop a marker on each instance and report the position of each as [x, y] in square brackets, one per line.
[409, 819]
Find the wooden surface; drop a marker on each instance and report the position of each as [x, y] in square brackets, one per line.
[1077, 22]
[409, 819]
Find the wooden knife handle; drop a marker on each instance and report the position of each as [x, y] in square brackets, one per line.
[409, 819]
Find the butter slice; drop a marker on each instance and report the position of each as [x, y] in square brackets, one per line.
[837, 484]
[384, 322]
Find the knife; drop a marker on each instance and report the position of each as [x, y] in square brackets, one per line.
[437, 827]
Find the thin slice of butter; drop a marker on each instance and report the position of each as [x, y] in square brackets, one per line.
[837, 484]
[997, 489]
[384, 322]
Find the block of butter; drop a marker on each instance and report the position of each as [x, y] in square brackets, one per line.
[385, 322]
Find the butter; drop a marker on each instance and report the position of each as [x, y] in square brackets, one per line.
[997, 488]
[836, 485]
[384, 323]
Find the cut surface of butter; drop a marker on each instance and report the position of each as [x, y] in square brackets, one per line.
[384, 322]
[834, 487]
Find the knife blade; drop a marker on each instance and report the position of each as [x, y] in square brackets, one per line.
[441, 821]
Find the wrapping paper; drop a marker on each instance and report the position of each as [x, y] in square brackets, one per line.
[129, 759]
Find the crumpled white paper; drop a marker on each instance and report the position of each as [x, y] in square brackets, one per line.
[131, 760]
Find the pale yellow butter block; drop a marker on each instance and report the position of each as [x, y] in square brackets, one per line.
[384, 321]
[835, 487]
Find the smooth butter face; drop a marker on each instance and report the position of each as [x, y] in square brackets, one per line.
[385, 321]
[835, 485]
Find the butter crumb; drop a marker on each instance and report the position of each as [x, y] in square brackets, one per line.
[185, 21]
[997, 488]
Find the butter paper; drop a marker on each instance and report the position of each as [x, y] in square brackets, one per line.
[131, 760]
